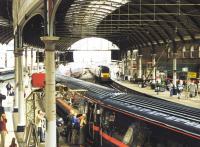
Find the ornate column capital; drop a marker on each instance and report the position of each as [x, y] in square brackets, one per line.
[18, 52]
[49, 42]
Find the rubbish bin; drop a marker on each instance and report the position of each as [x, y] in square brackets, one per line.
[175, 91]
[153, 86]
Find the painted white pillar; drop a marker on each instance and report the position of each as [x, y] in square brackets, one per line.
[50, 90]
[154, 68]
[16, 98]
[139, 66]
[22, 108]
[174, 69]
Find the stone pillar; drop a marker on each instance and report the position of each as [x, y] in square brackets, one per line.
[123, 66]
[174, 69]
[16, 83]
[50, 89]
[139, 66]
[154, 68]
[22, 116]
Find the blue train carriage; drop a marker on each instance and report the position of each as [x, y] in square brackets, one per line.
[103, 73]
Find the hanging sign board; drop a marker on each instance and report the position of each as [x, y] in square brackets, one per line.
[192, 74]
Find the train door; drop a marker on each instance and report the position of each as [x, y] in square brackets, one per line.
[93, 124]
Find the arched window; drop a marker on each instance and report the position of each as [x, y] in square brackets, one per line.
[183, 52]
[168, 52]
[199, 51]
[191, 51]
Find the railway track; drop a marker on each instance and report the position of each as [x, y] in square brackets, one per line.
[182, 118]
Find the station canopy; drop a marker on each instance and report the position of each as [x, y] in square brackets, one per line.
[126, 23]
[6, 29]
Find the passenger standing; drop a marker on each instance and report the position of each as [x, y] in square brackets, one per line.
[8, 87]
[69, 127]
[39, 118]
[179, 89]
[157, 88]
[3, 129]
[12, 93]
[192, 89]
[82, 130]
[2, 97]
[13, 144]
[111, 123]
[171, 88]
[75, 128]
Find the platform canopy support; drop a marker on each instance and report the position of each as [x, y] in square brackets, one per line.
[50, 99]
[154, 68]
[140, 66]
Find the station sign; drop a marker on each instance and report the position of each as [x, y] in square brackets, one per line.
[192, 75]
[185, 69]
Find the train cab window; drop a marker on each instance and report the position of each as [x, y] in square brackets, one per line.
[105, 70]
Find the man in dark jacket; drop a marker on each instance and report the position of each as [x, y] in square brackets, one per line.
[2, 97]
[8, 87]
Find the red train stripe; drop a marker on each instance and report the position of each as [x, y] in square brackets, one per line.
[109, 138]
[66, 106]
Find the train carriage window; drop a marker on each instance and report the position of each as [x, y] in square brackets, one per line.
[113, 125]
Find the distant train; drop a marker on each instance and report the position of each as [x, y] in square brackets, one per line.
[102, 73]
[6, 74]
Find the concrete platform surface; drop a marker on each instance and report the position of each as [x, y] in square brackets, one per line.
[184, 98]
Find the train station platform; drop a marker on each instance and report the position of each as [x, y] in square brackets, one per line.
[8, 107]
[184, 98]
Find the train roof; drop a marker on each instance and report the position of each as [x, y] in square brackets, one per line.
[176, 117]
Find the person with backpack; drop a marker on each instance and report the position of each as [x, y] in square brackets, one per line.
[75, 128]
[69, 127]
[8, 88]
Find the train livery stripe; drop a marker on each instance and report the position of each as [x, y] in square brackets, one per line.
[95, 128]
[66, 106]
[109, 138]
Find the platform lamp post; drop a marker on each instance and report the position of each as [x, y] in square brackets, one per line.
[16, 97]
[19, 82]
[154, 68]
[174, 64]
[153, 54]
[50, 107]
[139, 63]
[22, 118]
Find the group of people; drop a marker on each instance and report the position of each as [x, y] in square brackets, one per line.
[4, 132]
[75, 128]
[191, 87]
[3, 119]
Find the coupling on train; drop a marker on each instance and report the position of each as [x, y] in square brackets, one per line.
[110, 125]
[102, 73]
